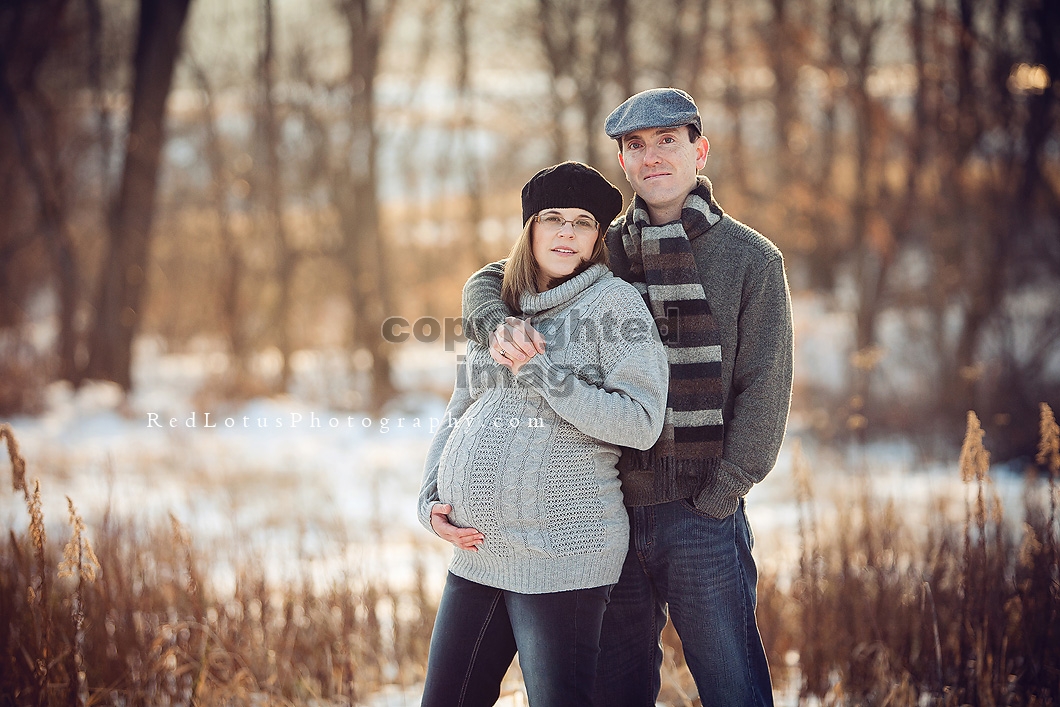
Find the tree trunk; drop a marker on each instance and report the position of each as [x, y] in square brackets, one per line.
[1045, 18]
[870, 257]
[734, 99]
[968, 127]
[464, 145]
[675, 46]
[359, 218]
[589, 93]
[269, 131]
[33, 129]
[698, 51]
[232, 259]
[683, 41]
[95, 76]
[556, 33]
[357, 201]
[623, 18]
[784, 64]
[826, 252]
[119, 304]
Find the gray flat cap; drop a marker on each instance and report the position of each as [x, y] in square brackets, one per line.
[654, 108]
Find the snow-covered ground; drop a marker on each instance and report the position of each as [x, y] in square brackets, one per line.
[335, 486]
[327, 490]
[301, 478]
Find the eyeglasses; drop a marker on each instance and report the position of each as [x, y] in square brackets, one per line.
[583, 225]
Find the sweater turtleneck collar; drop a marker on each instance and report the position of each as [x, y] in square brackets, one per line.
[536, 302]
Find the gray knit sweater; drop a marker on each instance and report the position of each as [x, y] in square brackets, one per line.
[530, 460]
[745, 285]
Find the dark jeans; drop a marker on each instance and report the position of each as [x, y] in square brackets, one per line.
[479, 629]
[700, 567]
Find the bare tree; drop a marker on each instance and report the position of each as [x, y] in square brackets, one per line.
[286, 258]
[1006, 204]
[871, 256]
[820, 175]
[577, 40]
[784, 60]
[733, 99]
[683, 29]
[220, 181]
[30, 32]
[464, 149]
[1042, 21]
[354, 191]
[119, 303]
[104, 134]
[622, 13]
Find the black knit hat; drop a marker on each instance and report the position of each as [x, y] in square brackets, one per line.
[572, 185]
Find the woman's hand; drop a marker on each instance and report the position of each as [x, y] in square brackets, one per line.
[463, 538]
[514, 342]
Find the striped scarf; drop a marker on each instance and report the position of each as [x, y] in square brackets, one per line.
[663, 269]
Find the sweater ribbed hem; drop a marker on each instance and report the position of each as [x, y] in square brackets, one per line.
[714, 485]
[649, 479]
[539, 574]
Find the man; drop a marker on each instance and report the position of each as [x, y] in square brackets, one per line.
[719, 293]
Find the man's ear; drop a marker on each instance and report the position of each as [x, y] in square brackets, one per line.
[622, 161]
[702, 149]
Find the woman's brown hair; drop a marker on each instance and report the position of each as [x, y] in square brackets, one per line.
[520, 270]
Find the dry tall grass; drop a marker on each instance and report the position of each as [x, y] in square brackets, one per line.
[884, 612]
[127, 619]
[878, 611]
[883, 609]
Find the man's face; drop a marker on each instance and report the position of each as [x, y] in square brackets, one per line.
[662, 163]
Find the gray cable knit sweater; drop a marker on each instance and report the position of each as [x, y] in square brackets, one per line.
[530, 460]
[744, 281]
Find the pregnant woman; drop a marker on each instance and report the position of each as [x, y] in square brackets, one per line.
[521, 478]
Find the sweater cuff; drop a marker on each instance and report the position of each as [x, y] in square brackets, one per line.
[485, 319]
[425, 520]
[721, 496]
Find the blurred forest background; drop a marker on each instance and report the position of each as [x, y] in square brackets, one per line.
[249, 180]
[264, 176]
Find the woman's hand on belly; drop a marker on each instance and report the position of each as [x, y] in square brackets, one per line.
[463, 538]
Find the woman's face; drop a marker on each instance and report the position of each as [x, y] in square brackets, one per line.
[561, 239]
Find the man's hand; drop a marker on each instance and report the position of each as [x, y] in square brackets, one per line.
[514, 342]
[463, 538]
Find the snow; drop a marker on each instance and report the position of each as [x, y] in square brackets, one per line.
[302, 473]
[328, 490]
[294, 474]
[283, 472]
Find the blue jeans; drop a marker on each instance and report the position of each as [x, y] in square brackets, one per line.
[479, 629]
[700, 567]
